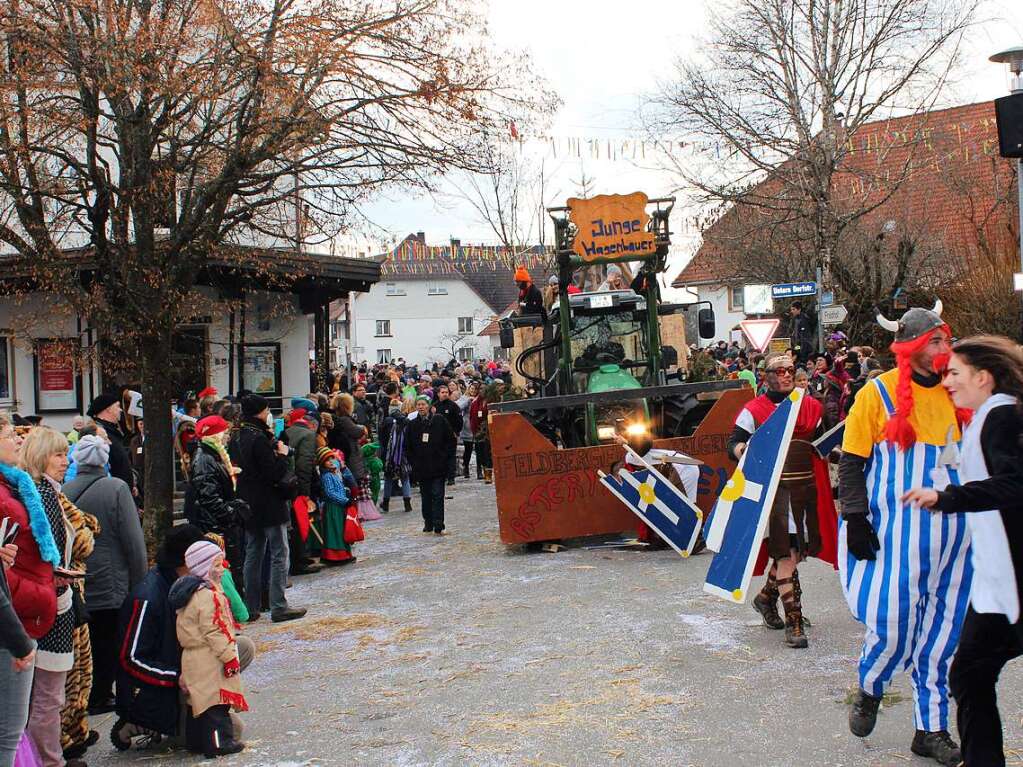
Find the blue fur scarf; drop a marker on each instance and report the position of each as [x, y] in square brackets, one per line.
[38, 521]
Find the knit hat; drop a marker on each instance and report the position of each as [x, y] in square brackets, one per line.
[305, 403]
[210, 425]
[423, 398]
[521, 275]
[325, 454]
[102, 402]
[253, 405]
[200, 556]
[92, 450]
[209, 391]
[553, 280]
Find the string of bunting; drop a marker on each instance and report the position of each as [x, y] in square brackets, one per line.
[875, 138]
[413, 257]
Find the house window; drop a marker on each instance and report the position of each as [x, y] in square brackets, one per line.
[466, 353]
[384, 356]
[464, 325]
[5, 370]
[735, 301]
[393, 289]
[436, 289]
[383, 327]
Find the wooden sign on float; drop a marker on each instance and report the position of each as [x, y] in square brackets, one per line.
[611, 226]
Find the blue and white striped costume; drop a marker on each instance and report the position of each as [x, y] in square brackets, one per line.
[914, 596]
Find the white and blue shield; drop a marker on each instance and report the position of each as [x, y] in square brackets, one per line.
[739, 519]
[829, 440]
[661, 505]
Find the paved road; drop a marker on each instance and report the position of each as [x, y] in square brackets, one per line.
[458, 651]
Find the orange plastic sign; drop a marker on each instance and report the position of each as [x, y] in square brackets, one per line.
[611, 226]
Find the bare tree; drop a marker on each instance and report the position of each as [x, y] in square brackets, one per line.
[508, 193]
[452, 343]
[147, 136]
[778, 97]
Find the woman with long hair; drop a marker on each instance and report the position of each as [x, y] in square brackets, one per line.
[44, 457]
[985, 375]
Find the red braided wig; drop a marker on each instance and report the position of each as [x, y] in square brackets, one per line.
[899, 430]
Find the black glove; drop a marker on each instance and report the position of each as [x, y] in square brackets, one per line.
[860, 537]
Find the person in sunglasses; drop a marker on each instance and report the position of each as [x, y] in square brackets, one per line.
[802, 519]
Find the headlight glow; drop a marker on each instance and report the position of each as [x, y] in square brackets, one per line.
[636, 429]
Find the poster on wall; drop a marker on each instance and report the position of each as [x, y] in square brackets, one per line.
[261, 369]
[56, 380]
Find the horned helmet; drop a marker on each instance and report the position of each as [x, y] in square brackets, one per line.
[914, 323]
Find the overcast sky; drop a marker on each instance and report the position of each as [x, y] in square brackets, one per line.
[601, 60]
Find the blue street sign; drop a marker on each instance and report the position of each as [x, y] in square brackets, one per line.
[827, 298]
[794, 289]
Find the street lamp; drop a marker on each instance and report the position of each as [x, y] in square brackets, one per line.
[1013, 57]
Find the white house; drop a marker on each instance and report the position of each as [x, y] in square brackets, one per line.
[433, 302]
[724, 292]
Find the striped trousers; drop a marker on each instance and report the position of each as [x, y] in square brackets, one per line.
[913, 597]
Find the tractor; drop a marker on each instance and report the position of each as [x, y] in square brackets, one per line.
[596, 370]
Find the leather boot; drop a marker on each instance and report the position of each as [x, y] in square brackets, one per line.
[795, 636]
[408, 504]
[385, 505]
[797, 592]
[766, 603]
[938, 746]
[863, 714]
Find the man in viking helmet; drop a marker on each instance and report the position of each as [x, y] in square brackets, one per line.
[905, 572]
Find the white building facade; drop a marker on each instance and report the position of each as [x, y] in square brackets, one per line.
[420, 320]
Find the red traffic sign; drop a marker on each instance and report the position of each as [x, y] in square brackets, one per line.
[760, 332]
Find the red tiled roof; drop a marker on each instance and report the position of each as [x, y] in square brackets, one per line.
[955, 176]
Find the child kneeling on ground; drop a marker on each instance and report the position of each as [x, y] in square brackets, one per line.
[209, 652]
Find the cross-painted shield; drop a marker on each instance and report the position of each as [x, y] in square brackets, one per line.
[739, 520]
[661, 505]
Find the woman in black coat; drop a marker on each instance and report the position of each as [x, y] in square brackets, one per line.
[985, 375]
[210, 499]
